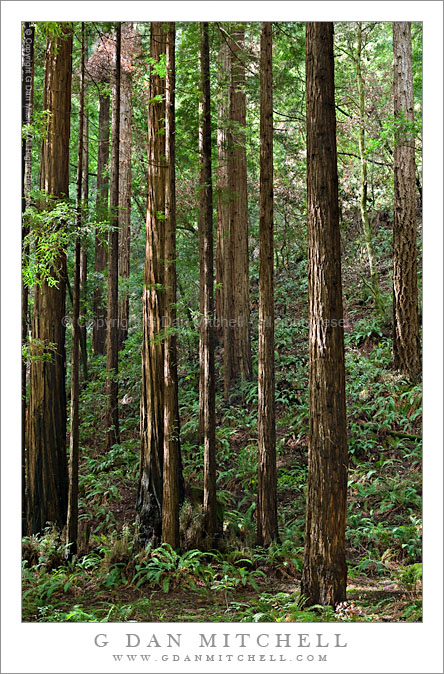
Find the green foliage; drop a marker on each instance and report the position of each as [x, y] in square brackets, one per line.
[286, 607]
[47, 241]
[230, 577]
[167, 569]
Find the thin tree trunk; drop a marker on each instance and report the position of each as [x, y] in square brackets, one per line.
[239, 210]
[83, 248]
[324, 575]
[125, 201]
[46, 458]
[171, 451]
[224, 260]
[223, 203]
[364, 185]
[149, 496]
[406, 337]
[102, 214]
[206, 345]
[27, 105]
[73, 487]
[267, 525]
[112, 337]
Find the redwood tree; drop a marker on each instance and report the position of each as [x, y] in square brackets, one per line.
[224, 253]
[267, 526]
[149, 495]
[406, 338]
[223, 205]
[324, 575]
[112, 336]
[242, 363]
[125, 184]
[171, 451]
[27, 104]
[102, 214]
[47, 466]
[73, 488]
[366, 225]
[99, 70]
[84, 247]
[206, 333]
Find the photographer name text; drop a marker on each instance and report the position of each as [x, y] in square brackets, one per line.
[242, 640]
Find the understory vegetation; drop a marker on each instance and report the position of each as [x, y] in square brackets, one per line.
[112, 580]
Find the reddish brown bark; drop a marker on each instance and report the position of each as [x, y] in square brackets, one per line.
[125, 200]
[223, 280]
[206, 342]
[324, 574]
[112, 336]
[102, 214]
[73, 486]
[171, 452]
[267, 525]
[406, 337]
[149, 496]
[27, 105]
[242, 363]
[46, 465]
[83, 248]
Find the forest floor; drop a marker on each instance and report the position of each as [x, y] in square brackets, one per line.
[112, 580]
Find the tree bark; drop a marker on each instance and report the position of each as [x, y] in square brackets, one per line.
[206, 334]
[46, 461]
[102, 214]
[406, 337]
[112, 337]
[324, 575]
[171, 451]
[149, 496]
[27, 105]
[223, 203]
[125, 201]
[83, 246]
[224, 252]
[239, 210]
[267, 525]
[73, 486]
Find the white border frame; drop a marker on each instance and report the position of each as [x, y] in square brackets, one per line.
[32, 647]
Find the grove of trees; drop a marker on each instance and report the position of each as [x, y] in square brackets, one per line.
[221, 312]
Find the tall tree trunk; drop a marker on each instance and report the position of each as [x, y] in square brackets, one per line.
[267, 525]
[83, 248]
[363, 201]
[73, 487]
[223, 204]
[171, 451]
[125, 201]
[406, 338]
[206, 343]
[112, 336]
[239, 209]
[324, 575]
[224, 259]
[149, 496]
[27, 105]
[46, 461]
[102, 214]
